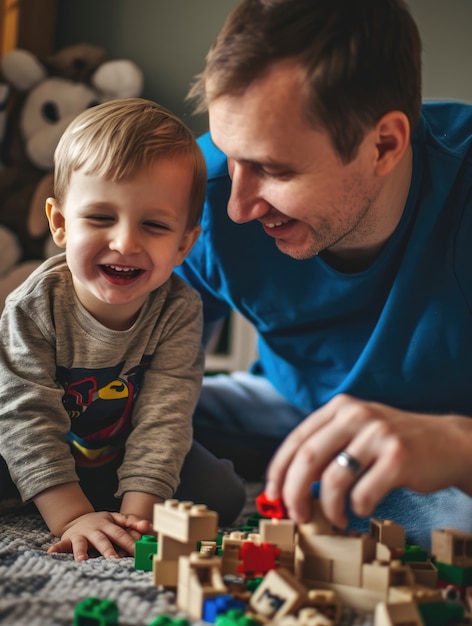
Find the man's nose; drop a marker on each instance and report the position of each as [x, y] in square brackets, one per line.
[245, 203]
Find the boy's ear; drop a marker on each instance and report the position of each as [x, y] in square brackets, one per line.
[189, 238]
[392, 141]
[57, 223]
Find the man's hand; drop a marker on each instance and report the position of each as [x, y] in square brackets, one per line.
[109, 534]
[395, 448]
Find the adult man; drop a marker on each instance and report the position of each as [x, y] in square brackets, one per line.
[349, 254]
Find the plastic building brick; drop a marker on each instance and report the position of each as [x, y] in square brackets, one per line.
[424, 572]
[380, 576]
[166, 620]
[387, 533]
[461, 576]
[453, 547]
[441, 613]
[271, 508]
[180, 525]
[325, 602]
[199, 578]
[144, 550]
[213, 607]
[278, 531]
[96, 612]
[184, 521]
[236, 617]
[414, 553]
[257, 559]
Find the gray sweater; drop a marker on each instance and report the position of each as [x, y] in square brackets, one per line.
[72, 390]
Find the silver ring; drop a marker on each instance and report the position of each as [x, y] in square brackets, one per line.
[344, 459]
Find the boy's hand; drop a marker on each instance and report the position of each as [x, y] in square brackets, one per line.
[110, 534]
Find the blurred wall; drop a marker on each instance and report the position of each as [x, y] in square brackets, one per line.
[169, 39]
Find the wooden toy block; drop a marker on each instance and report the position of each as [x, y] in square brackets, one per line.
[231, 545]
[452, 547]
[208, 548]
[170, 549]
[326, 602]
[165, 573]
[388, 533]
[413, 593]
[278, 531]
[347, 573]
[278, 594]
[308, 566]
[318, 524]
[468, 598]
[306, 617]
[385, 553]
[185, 521]
[199, 578]
[380, 576]
[425, 573]
[347, 553]
[354, 597]
[398, 614]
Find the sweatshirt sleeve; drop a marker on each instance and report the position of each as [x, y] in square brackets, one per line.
[162, 415]
[33, 421]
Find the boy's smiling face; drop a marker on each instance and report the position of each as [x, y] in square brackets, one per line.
[124, 238]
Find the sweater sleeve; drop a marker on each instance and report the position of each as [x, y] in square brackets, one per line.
[162, 415]
[33, 421]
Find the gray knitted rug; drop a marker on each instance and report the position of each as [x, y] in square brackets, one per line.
[37, 589]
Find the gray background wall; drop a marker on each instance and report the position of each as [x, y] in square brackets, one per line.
[168, 39]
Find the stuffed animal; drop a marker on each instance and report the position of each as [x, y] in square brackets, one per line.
[38, 99]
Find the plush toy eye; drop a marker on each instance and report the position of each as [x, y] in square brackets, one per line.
[49, 110]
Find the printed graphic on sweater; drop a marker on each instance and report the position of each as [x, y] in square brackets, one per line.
[99, 403]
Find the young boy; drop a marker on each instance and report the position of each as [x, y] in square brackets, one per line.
[100, 349]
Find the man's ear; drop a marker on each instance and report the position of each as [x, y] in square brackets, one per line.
[189, 238]
[392, 140]
[57, 223]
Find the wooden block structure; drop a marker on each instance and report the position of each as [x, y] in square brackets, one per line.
[308, 571]
[199, 579]
[452, 547]
[179, 525]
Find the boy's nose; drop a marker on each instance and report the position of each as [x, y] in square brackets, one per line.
[125, 241]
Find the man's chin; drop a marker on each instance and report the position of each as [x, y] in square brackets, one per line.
[299, 252]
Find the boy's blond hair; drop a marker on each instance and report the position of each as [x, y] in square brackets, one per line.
[116, 139]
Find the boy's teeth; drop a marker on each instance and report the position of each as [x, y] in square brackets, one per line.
[273, 224]
[121, 269]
